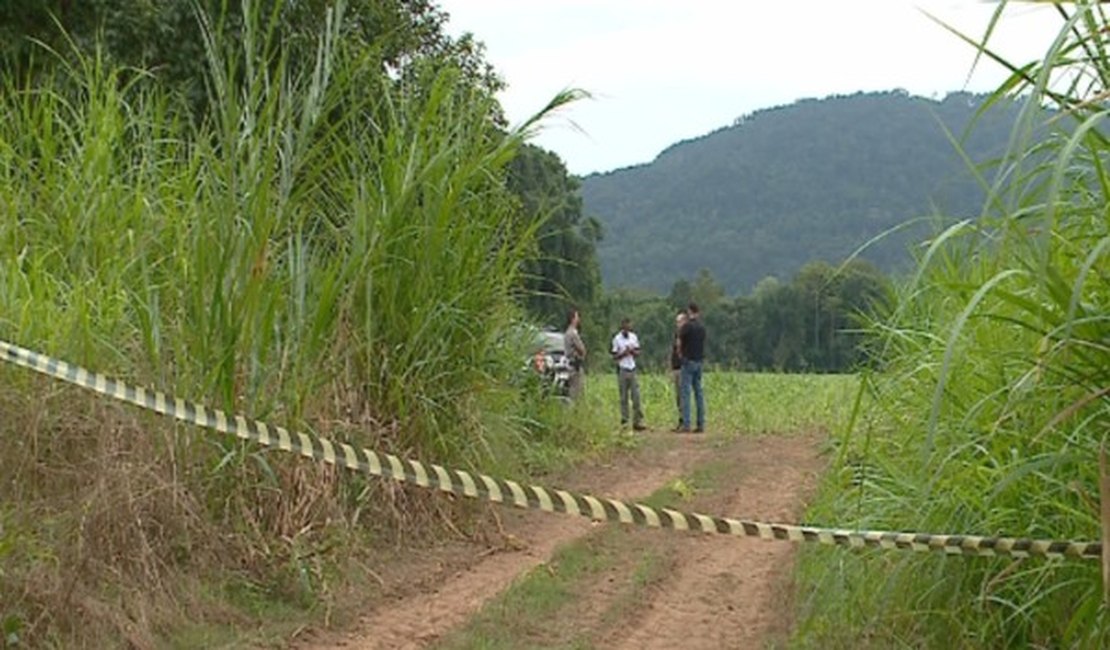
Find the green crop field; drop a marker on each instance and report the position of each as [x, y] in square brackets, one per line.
[737, 402]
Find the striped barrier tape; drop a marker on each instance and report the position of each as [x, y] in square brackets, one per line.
[503, 491]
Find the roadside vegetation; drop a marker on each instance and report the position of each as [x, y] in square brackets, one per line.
[329, 245]
[992, 398]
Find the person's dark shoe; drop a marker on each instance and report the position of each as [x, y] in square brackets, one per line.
[681, 429]
[699, 430]
[639, 426]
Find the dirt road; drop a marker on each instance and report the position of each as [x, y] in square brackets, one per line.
[713, 592]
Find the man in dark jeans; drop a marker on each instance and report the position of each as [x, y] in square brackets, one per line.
[691, 341]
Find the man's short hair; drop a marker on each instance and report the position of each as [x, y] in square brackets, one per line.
[693, 308]
[625, 322]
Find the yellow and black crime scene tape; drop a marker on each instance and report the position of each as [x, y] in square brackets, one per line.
[529, 496]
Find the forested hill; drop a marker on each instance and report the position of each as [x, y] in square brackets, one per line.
[783, 186]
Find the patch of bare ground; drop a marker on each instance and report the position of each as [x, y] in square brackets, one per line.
[419, 598]
[651, 588]
[727, 592]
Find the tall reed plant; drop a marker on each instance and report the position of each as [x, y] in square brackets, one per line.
[995, 394]
[333, 249]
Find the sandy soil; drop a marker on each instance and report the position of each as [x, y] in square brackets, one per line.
[717, 592]
[724, 592]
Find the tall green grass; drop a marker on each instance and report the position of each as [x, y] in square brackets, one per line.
[334, 250]
[993, 400]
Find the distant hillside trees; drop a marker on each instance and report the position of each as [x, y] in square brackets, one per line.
[165, 39]
[565, 270]
[786, 185]
[811, 323]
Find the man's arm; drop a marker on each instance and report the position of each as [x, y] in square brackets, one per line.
[575, 342]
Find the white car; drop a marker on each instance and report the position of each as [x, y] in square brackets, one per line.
[549, 359]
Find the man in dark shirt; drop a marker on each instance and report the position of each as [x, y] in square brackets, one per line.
[691, 341]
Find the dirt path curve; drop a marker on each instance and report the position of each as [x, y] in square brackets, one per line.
[718, 591]
[416, 620]
[724, 592]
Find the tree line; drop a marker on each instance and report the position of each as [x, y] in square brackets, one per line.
[810, 323]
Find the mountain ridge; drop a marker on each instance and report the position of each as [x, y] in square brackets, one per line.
[790, 184]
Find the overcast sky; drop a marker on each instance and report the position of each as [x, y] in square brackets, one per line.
[662, 71]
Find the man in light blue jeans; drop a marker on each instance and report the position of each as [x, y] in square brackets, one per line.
[691, 341]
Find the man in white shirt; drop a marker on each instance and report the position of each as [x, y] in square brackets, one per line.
[625, 349]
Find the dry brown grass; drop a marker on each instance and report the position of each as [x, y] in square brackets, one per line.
[123, 519]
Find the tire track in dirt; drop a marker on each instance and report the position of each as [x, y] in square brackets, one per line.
[727, 592]
[415, 620]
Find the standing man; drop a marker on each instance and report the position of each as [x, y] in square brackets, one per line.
[691, 341]
[676, 364]
[576, 355]
[626, 347]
